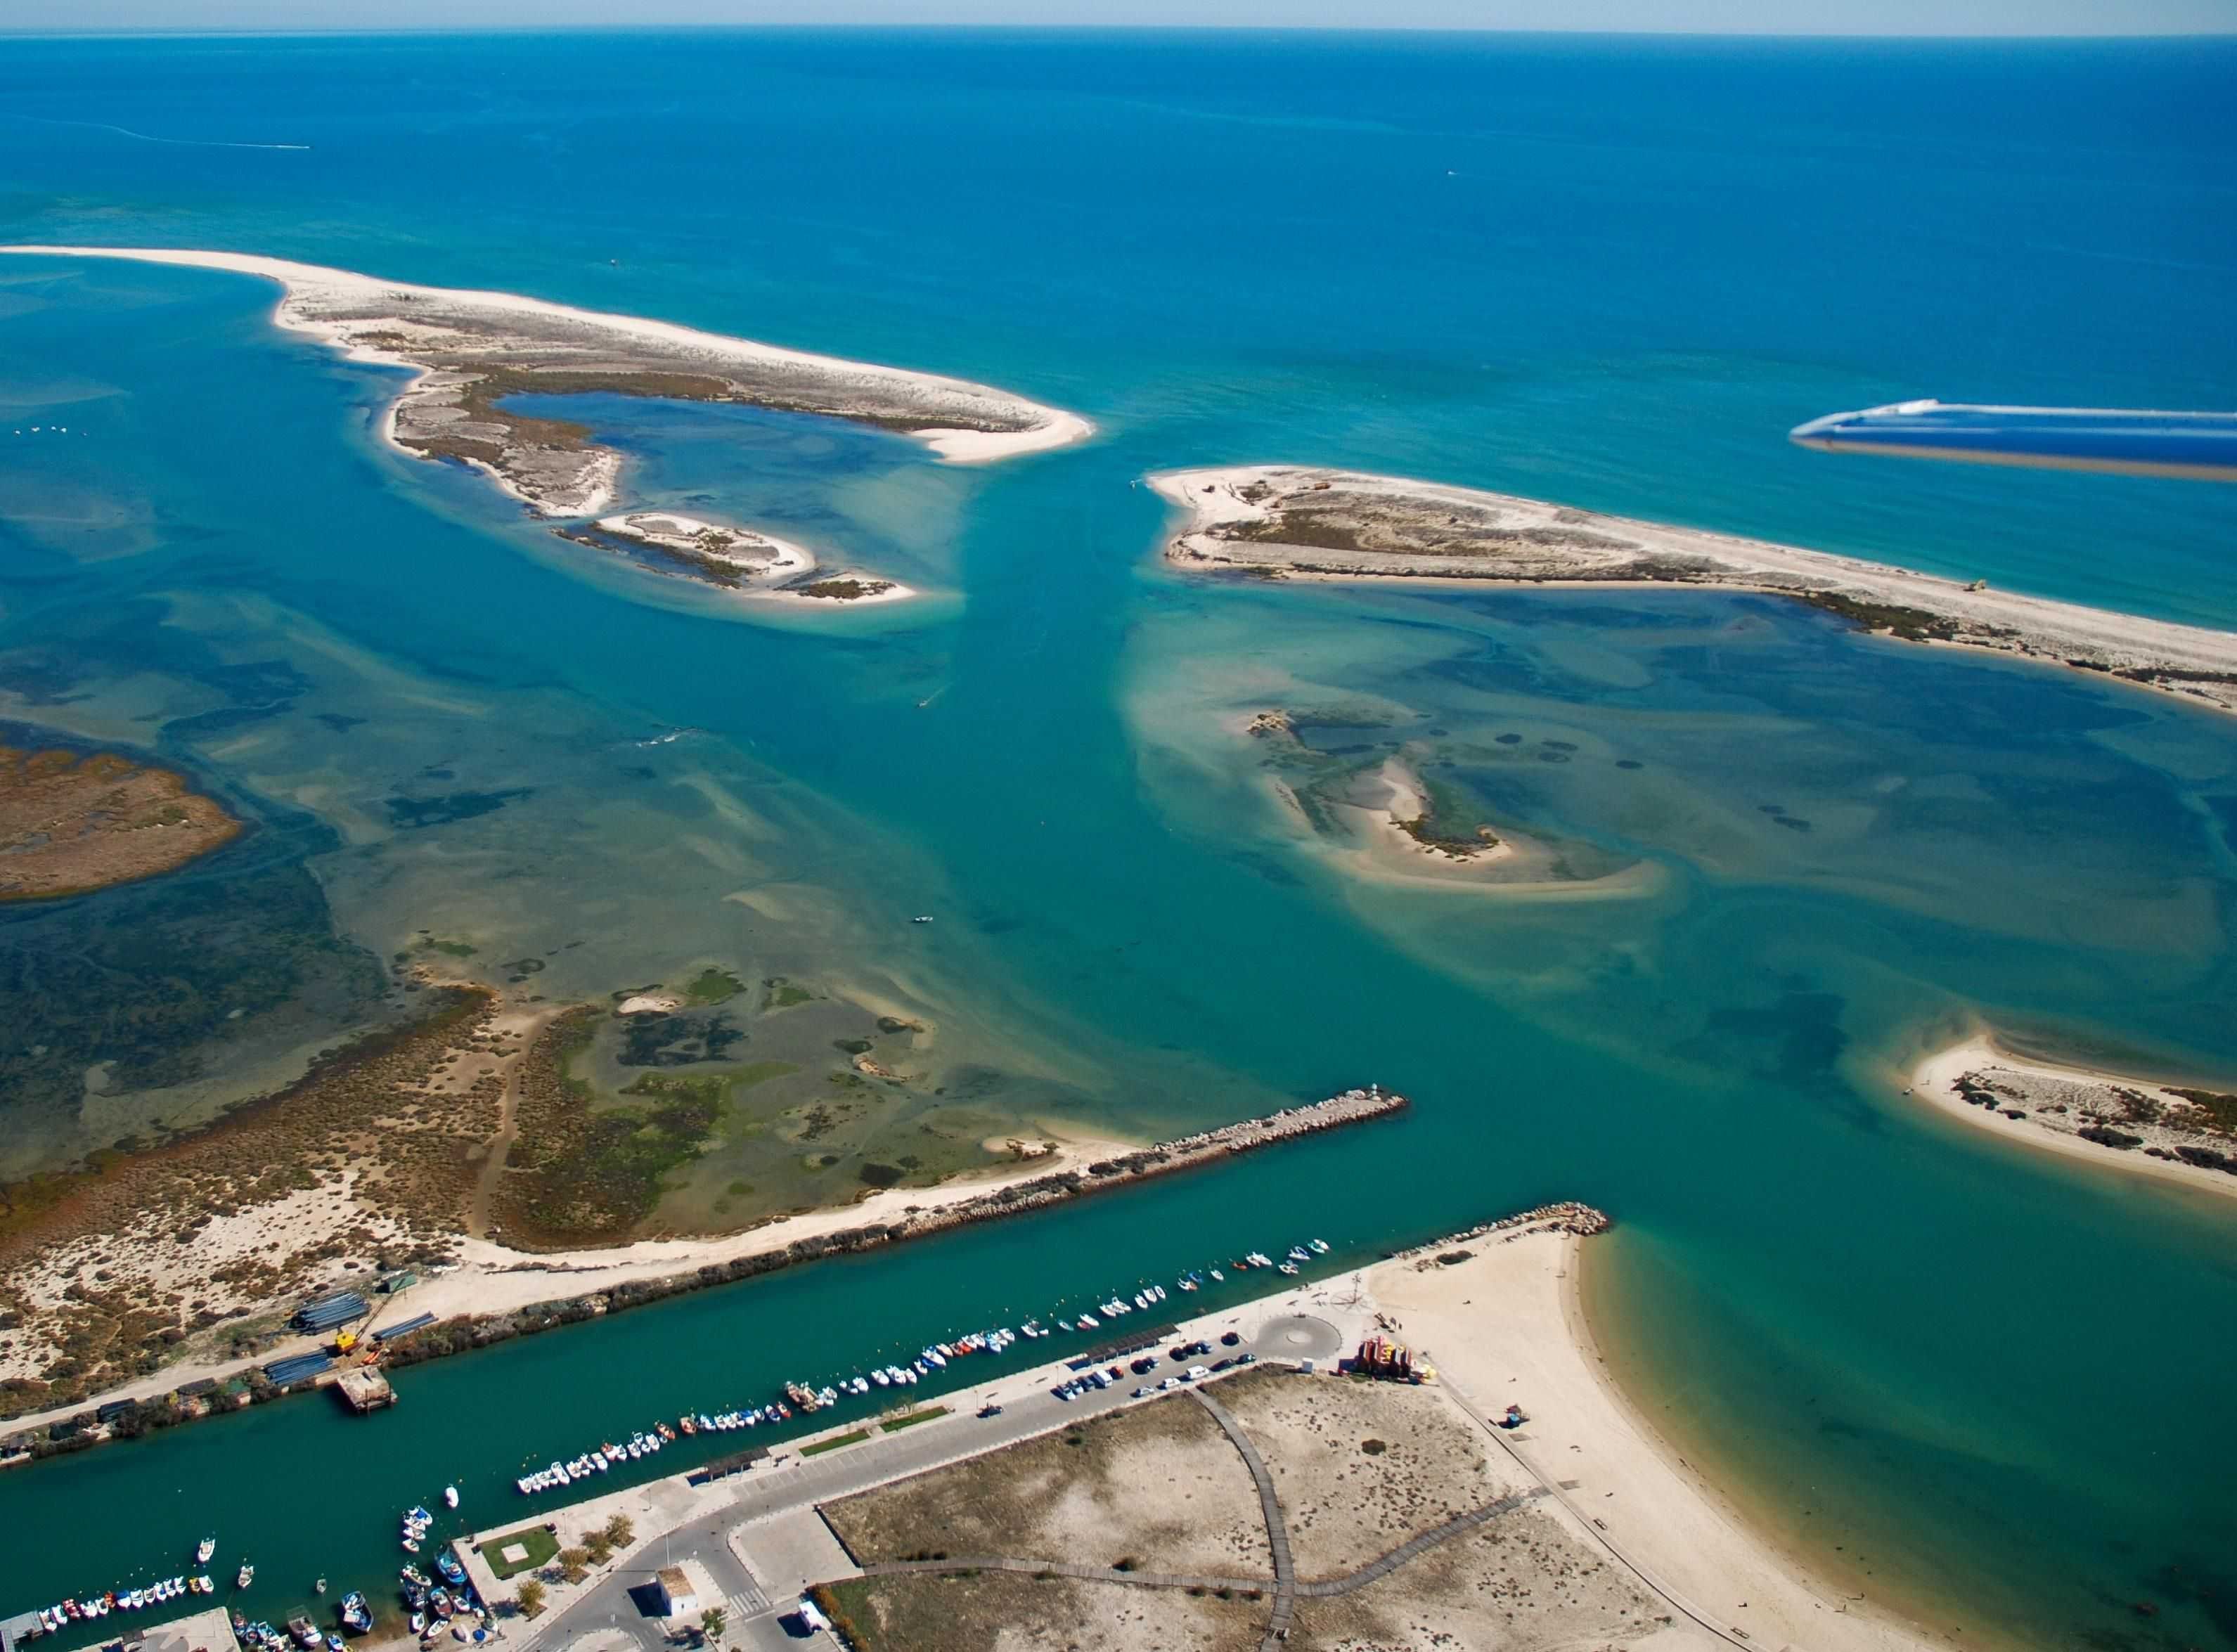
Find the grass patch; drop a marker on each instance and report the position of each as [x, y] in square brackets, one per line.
[541, 1545]
[713, 986]
[854, 1437]
[910, 1419]
[783, 995]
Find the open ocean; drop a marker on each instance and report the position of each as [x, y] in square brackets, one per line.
[1609, 272]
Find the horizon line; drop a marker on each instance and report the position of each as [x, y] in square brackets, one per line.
[804, 26]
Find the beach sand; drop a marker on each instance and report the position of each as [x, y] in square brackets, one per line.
[1507, 1326]
[486, 1278]
[2080, 1094]
[749, 563]
[457, 341]
[1359, 526]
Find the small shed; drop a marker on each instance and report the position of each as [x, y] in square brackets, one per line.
[679, 1596]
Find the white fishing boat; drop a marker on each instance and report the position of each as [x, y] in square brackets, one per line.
[204, 1549]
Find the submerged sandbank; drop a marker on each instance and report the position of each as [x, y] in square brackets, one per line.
[1282, 521]
[468, 351]
[2183, 1134]
[1503, 1324]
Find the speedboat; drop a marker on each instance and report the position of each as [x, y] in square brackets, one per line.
[357, 1616]
[245, 1576]
[451, 1496]
[204, 1549]
[1320, 1246]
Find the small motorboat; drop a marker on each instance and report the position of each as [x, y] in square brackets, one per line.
[320, 1586]
[357, 1616]
[419, 1623]
[454, 1574]
[245, 1576]
[204, 1549]
[451, 1496]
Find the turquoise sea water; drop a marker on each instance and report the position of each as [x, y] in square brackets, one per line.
[1613, 273]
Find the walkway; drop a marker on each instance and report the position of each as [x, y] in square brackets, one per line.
[1286, 1586]
[1277, 1529]
[1327, 1588]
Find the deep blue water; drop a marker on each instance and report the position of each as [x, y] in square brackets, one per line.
[1609, 272]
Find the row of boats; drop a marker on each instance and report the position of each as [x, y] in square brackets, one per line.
[597, 1460]
[808, 1398]
[83, 1607]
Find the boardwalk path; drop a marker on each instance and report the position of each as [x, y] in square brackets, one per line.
[1287, 1587]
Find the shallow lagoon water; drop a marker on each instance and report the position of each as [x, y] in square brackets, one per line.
[1878, 1318]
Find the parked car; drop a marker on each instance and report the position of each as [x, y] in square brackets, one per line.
[1230, 1339]
[989, 1409]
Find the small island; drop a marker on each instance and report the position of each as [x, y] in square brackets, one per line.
[70, 824]
[1285, 521]
[2176, 1133]
[730, 559]
[471, 352]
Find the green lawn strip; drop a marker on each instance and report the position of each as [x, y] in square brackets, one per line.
[910, 1419]
[540, 1544]
[834, 1444]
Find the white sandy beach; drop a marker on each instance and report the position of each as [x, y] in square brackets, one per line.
[1935, 1080]
[488, 1277]
[1507, 1326]
[769, 569]
[381, 322]
[1554, 545]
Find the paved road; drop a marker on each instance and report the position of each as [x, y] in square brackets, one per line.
[609, 1615]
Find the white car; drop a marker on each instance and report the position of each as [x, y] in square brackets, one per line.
[1195, 1372]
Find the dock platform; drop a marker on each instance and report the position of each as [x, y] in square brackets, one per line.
[364, 1389]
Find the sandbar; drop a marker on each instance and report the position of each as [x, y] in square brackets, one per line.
[1281, 521]
[469, 350]
[739, 559]
[2139, 1125]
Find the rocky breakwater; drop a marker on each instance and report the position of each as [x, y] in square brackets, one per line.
[1563, 1216]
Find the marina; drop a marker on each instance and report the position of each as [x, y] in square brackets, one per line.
[450, 1600]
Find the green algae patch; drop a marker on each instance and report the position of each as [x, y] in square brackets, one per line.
[712, 986]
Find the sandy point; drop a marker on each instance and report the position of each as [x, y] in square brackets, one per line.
[1507, 1326]
[1935, 1080]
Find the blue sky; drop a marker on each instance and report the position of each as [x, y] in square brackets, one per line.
[1690, 17]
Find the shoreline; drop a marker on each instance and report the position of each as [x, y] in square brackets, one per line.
[725, 557]
[475, 1297]
[466, 349]
[2030, 1086]
[1354, 525]
[1622, 1486]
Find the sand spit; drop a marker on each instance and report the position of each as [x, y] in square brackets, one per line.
[483, 1292]
[744, 560]
[1278, 520]
[1500, 1317]
[2178, 1134]
[470, 349]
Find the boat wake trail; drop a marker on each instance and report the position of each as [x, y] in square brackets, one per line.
[148, 137]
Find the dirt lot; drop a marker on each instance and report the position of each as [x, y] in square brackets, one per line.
[1361, 1467]
[998, 1612]
[1157, 1484]
[1521, 1583]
